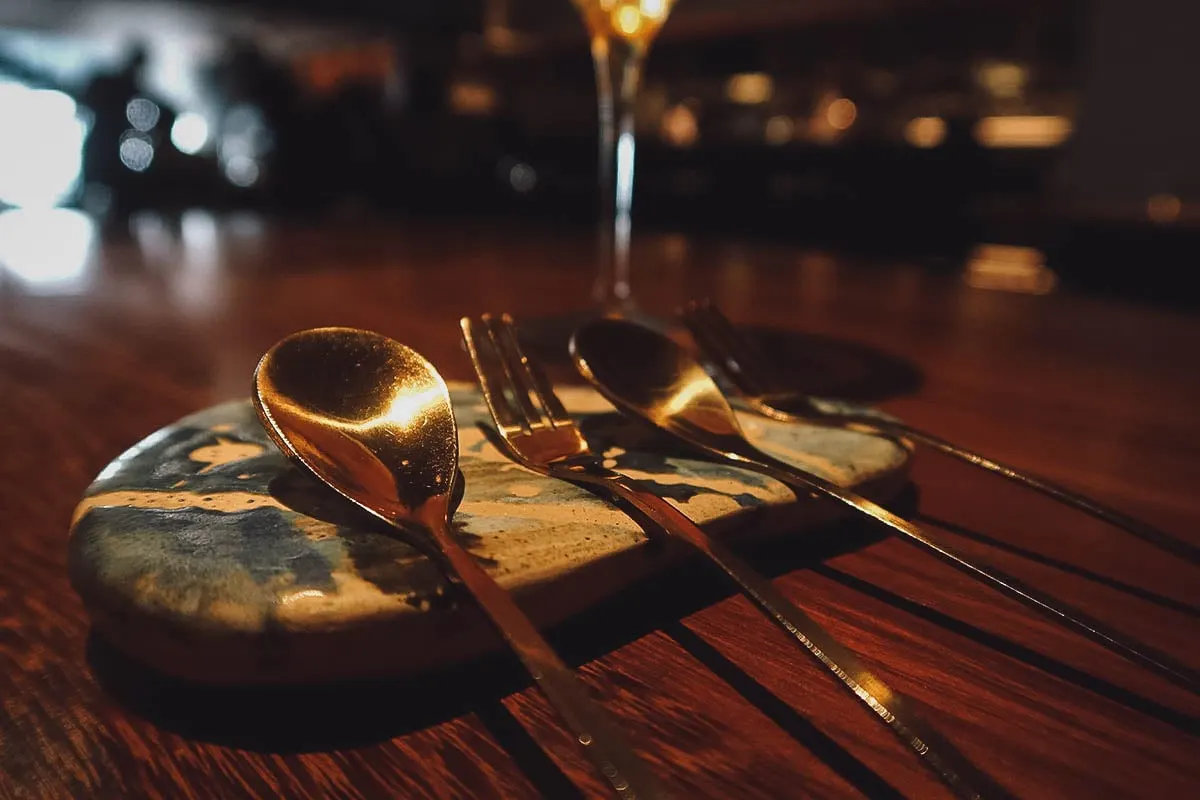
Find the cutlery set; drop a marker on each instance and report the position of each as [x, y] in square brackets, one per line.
[372, 419]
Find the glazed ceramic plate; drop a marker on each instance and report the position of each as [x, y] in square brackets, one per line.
[203, 553]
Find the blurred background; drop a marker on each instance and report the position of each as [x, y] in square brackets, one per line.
[1025, 143]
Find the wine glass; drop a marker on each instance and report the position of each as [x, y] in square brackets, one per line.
[621, 33]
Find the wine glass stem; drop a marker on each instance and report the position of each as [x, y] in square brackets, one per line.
[618, 75]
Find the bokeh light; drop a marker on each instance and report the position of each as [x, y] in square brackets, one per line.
[47, 249]
[679, 126]
[189, 134]
[1163, 208]
[779, 130]
[41, 146]
[1023, 131]
[242, 170]
[136, 151]
[925, 131]
[750, 88]
[841, 113]
[142, 114]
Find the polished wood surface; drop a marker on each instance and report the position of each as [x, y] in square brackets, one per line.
[1098, 395]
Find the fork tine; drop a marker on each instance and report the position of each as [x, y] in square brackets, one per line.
[490, 372]
[697, 317]
[740, 358]
[743, 360]
[502, 340]
[527, 376]
[537, 377]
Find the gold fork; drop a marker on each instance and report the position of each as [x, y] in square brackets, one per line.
[759, 384]
[537, 433]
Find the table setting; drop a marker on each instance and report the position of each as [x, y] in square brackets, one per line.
[218, 549]
[340, 516]
[227, 604]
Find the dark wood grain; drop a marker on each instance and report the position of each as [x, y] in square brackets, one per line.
[1095, 394]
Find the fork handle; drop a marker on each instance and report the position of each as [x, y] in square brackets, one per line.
[1144, 531]
[889, 706]
[1055, 610]
[594, 730]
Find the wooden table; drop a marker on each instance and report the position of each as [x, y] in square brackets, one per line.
[1100, 396]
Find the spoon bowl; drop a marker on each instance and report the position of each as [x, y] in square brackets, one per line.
[367, 415]
[372, 419]
[650, 376]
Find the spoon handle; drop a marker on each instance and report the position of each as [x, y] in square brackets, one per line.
[894, 428]
[601, 740]
[889, 706]
[854, 418]
[1055, 610]
[1144, 531]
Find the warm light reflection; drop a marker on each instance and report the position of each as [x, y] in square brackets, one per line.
[628, 20]
[654, 9]
[779, 130]
[750, 88]
[1009, 268]
[633, 20]
[1002, 79]
[925, 131]
[679, 126]
[675, 249]
[1023, 131]
[832, 116]
[328, 69]
[472, 99]
[841, 113]
[46, 248]
[408, 408]
[1163, 208]
[302, 594]
[501, 39]
[685, 398]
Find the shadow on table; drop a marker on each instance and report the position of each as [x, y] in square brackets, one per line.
[809, 363]
[1019, 652]
[352, 714]
[336, 716]
[1140, 593]
[281, 719]
[836, 368]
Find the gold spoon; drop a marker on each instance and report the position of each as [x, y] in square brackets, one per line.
[650, 376]
[762, 387]
[372, 419]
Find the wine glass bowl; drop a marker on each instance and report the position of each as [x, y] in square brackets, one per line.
[621, 32]
[631, 20]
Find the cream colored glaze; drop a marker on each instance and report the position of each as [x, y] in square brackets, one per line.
[353, 598]
[213, 501]
[225, 452]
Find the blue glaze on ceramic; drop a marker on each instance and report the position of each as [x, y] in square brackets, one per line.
[205, 528]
